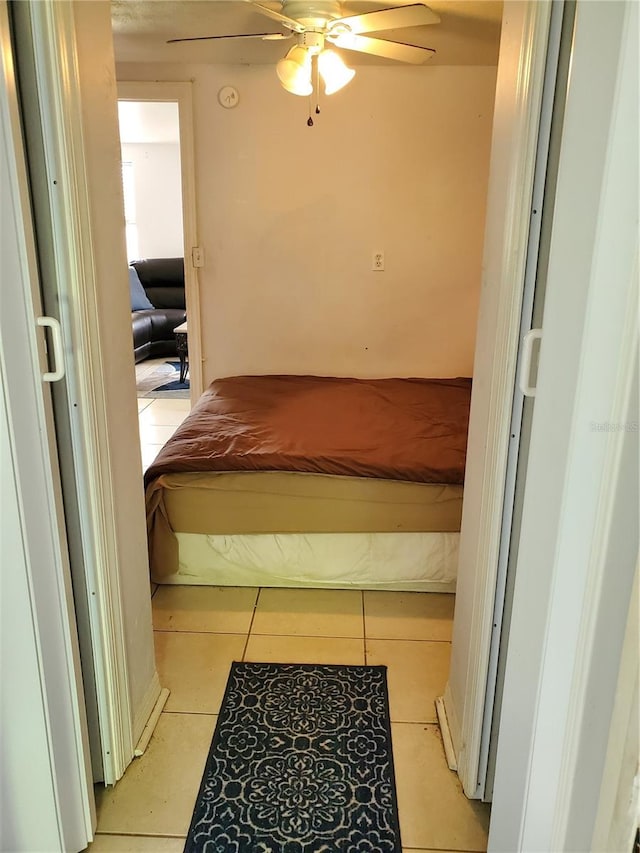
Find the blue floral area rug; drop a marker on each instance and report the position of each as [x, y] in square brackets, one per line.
[300, 762]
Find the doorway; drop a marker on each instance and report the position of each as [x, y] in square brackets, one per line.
[156, 134]
[153, 205]
[135, 94]
[250, 175]
[546, 776]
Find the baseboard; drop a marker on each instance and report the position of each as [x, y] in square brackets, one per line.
[445, 729]
[146, 707]
[152, 722]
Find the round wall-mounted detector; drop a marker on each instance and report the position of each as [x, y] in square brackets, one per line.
[228, 97]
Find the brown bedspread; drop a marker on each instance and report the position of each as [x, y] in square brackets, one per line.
[398, 429]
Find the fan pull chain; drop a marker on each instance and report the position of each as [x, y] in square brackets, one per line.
[315, 88]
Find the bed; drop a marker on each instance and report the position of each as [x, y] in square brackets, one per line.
[313, 481]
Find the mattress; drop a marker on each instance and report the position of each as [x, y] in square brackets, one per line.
[407, 562]
[310, 455]
[286, 502]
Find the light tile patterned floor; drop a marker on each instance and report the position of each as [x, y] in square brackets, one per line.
[158, 420]
[200, 630]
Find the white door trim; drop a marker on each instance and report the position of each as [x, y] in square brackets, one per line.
[521, 74]
[53, 34]
[182, 94]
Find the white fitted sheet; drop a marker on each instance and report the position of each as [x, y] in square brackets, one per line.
[401, 561]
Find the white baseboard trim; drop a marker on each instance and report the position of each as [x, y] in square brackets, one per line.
[146, 707]
[453, 723]
[148, 730]
[446, 734]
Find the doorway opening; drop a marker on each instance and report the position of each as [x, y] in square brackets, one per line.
[153, 208]
[157, 177]
[186, 244]
[257, 184]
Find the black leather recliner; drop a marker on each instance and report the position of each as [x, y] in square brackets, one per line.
[163, 282]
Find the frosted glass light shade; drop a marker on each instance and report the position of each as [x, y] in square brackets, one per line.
[334, 72]
[294, 71]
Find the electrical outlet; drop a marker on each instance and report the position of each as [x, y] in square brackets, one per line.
[377, 262]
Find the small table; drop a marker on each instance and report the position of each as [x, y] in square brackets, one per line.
[182, 347]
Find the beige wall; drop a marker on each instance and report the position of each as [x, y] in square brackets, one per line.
[289, 217]
[158, 198]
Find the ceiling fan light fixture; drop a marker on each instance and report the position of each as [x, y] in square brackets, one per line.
[294, 71]
[334, 72]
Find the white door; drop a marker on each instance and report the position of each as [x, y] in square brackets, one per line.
[70, 111]
[47, 795]
[579, 540]
[522, 118]
[542, 209]
[478, 723]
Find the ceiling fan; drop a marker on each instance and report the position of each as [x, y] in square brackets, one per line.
[318, 24]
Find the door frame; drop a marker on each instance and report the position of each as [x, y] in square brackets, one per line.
[181, 93]
[528, 28]
[519, 174]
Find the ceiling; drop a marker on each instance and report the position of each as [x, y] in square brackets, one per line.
[469, 32]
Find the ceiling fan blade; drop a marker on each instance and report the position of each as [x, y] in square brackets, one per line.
[264, 36]
[388, 49]
[416, 15]
[289, 23]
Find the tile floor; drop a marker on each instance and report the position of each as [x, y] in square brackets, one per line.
[158, 420]
[200, 630]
